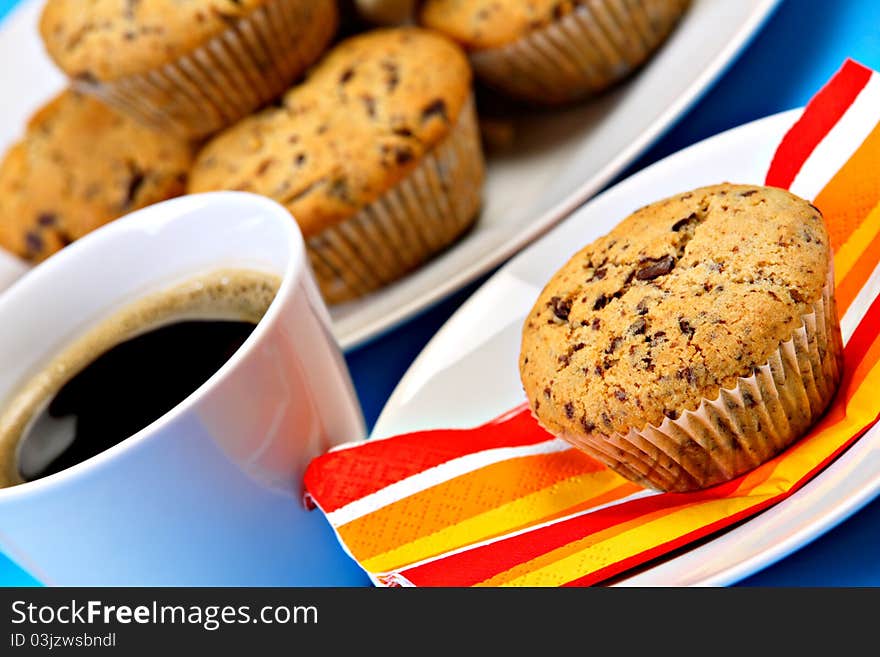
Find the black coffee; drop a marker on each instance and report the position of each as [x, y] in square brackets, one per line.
[124, 390]
[127, 370]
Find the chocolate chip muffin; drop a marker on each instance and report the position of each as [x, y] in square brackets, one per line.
[547, 51]
[191, 66]
[80, 165]
[376, 155]
[692, 343]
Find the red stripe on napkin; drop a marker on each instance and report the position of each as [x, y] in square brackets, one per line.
[477, 564]
[343, 476]
[822, 113]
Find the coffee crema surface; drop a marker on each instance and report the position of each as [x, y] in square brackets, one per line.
[128, 370]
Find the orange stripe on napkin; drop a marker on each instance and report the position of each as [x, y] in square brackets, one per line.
[473, 566]
[853, 275]
[853, 192]
[467, 496]
[602, 487]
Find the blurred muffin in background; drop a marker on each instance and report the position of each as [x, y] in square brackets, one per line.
[376, 154]
[550, 52]
[192, 67]
[80, 165]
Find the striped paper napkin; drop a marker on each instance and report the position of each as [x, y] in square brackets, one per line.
[507, 504]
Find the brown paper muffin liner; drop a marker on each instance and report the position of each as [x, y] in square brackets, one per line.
[746, 425]
[422, 214]
[250, 63]
[582, 53]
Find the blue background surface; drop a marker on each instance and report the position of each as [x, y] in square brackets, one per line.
[799, 48]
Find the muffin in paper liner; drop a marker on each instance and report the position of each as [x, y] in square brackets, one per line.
[376, 154]
[251, 62]
[418, 217]
[745, 425]
[581, 53]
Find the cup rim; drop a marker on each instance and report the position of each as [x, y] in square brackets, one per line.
[106, 234]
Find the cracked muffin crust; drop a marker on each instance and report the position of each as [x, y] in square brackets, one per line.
[79, 166]
[679, 301]
[383, 109]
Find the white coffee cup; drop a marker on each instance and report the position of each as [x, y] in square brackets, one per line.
[210, 493]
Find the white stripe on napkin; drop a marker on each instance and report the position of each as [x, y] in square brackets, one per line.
[841, 142]
[859, 306]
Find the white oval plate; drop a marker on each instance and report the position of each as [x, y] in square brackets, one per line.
[561, 157]
[468, 373]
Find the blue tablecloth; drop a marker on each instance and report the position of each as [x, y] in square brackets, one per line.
[799, 48]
